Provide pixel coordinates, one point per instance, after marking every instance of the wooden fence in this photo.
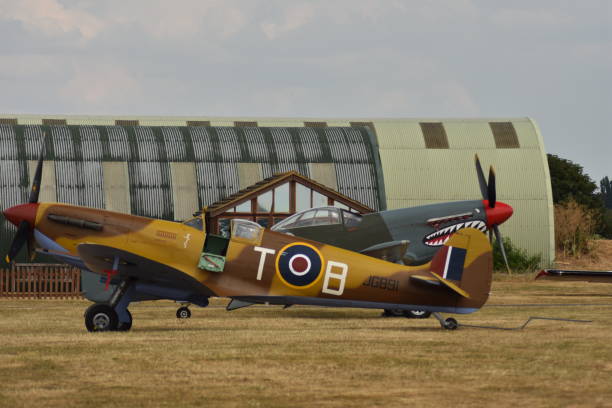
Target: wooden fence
(40, 281)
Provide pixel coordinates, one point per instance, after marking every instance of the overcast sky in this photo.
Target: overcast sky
(549, 60)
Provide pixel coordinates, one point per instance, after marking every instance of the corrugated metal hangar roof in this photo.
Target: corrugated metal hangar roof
(150, 165)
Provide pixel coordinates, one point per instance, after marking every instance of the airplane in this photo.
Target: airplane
(410, 236)
(567, 275)
(157, 259)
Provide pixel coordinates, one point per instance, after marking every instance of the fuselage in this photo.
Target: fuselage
(275, 267)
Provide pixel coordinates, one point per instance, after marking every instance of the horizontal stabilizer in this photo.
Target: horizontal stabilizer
(436, 280)
(391, 251)
(426, 279)
(451, 285)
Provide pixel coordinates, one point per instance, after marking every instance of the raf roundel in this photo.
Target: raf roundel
(299, 265)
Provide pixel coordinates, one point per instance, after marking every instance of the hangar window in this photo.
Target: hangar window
(369, 125)
(315, 124)
(198, 123)
(124, 122)
(54, 122)
(434, 135)
(245, 124)
(505, 135)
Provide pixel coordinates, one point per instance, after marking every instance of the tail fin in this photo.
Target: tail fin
(465, 265)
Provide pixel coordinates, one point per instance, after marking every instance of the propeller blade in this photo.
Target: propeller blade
(492, 192)
(34, 192)
(501, 246)
(31, 247)
(20, 239)
(481, 179)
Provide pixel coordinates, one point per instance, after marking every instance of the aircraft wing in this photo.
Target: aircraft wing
(100, 259)
(586, 276)
(392, 251)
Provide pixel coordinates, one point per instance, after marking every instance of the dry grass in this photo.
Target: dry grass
(600, 257)
(265, 356)
(574, 226)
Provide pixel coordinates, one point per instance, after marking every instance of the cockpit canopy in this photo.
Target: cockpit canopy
(319, 216)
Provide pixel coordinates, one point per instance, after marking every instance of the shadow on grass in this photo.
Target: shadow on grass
(578, 295)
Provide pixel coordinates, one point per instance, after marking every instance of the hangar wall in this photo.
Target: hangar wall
(128, 163)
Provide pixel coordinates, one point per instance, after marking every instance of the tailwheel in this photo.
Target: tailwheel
(183, 313)
(450, 324)
(101, 317)
(125, 326)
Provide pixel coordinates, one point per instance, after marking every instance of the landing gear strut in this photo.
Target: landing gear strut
(448, 324)
(114, 315)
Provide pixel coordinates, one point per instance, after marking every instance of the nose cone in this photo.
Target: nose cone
(497, 215)
(22, 212)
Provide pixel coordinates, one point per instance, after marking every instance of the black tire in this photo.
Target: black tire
(417, 314)
(183, 313)
(125, 326)
(392, 313)
(101, 317)
(451, 324)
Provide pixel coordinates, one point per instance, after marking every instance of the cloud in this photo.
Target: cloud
(294, 17)
(101, 86)
(51, 18)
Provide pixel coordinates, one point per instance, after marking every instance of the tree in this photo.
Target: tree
(569, 181)
(605, 187)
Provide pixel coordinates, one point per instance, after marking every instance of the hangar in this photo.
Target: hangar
(169, 167)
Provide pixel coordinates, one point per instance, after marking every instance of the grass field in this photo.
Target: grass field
(305, 356)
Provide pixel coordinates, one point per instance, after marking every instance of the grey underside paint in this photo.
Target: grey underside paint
(153, 280)
(312, 301)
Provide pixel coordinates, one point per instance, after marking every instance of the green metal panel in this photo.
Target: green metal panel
(412, 174)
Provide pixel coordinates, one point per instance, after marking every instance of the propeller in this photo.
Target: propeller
(24, 215)
(494, 216)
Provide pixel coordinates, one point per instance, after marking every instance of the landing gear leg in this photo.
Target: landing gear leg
(448, 324)
(114, 315)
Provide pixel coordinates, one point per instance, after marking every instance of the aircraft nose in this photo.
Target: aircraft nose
(22, 212)
(498, 214)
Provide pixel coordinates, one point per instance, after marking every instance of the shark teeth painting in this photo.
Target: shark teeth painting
(440, 237)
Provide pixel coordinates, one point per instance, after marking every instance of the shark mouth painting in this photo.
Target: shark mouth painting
(439, 237)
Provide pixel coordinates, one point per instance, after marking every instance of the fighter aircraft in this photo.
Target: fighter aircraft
(157, 259)
(408, 235)
(565, 275)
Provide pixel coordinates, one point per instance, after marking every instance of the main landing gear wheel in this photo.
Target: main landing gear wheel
(183, 313)
(417, 314)
(101, 317)
(411, 314)
(125, 326)
(392, 313)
